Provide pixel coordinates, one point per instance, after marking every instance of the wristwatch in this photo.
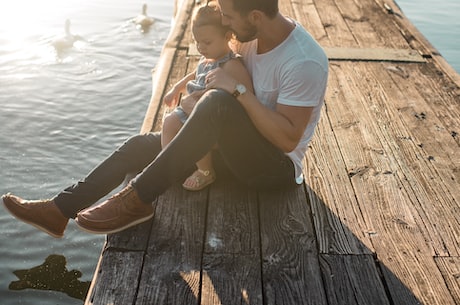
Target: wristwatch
(239, 90)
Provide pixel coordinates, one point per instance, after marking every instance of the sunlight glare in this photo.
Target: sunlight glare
(28, 27)
(28, 20)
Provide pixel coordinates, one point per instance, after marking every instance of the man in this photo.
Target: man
(262, 137)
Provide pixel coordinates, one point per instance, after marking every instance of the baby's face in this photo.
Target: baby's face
(210, 41)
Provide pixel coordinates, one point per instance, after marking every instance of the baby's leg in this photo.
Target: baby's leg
(171, 126)
(203, 176)
(205, 164)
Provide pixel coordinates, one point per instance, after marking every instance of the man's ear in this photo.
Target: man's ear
(255, 16)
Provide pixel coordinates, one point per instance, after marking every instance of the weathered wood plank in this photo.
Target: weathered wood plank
(383, 24)
(290, 269)
(231, 260)
(160, 78)
(335, 25)
(450, 270)
(374, 54)
(133, 239)
(384, 202)
(181, 25)
(428, 156)
(340, 227)
(358, 22)
(171, 271)
(442, 94)
(352, 280)
(306, 13)
(116, 280)
(160, 75)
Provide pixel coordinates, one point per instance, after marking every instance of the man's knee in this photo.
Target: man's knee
(142, 142)
(216, 101)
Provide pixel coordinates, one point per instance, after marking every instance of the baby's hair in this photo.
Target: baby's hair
(209, 14)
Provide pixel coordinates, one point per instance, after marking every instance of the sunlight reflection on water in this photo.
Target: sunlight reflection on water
(63, 112)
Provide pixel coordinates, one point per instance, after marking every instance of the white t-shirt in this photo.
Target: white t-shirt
(295, 74)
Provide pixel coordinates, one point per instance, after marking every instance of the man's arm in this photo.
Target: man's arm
(283, 126)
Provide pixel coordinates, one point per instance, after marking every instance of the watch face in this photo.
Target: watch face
(241, 89)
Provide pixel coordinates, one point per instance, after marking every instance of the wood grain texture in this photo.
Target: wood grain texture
(352, 280)
(117, 278)
(450, 269)
(290, 265)
(171, 272)
(231, 258)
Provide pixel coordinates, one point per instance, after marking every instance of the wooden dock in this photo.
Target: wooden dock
(378, 218)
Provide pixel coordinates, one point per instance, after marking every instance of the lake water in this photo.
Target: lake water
(439, 22)
(63, 113)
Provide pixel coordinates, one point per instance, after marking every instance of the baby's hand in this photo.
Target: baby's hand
(171, 99)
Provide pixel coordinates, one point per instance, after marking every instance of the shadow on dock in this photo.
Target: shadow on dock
(232, 246)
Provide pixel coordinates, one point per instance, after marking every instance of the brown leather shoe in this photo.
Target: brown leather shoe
(42, 214)
(119, 212)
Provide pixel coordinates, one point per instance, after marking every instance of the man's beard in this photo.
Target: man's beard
(247, 34)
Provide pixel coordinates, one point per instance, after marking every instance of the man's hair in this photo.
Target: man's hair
(209, 14)
(269, 7)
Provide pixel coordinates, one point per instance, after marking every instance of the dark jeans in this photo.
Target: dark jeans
(217, 119)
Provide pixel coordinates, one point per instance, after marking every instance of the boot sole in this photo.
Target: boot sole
(43, 229)
(95, 231)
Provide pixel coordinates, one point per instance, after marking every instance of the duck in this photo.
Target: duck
(67, 40)
(143, 19)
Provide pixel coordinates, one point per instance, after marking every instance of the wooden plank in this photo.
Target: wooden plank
(161, 72)
(335, 25)
(290, 265)
(383, 200)
(180, 25)
(450, 270)
(133, 239)
(231, 260)
(340, 227)
(358, 22)
(442, 94)
(159, 79)
(306, 14)
(359, 54)
(374, 54)
(382, 23)
(171, 271)
(116, 279)
(352, 280)
(428, 156)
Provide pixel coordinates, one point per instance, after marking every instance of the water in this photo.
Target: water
(63, 113)
(439, 22)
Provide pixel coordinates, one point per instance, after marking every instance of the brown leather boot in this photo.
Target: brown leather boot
(119, 212)
(42, 214)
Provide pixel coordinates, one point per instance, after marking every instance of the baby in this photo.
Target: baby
(213, 43)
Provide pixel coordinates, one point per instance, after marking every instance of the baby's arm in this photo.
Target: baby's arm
(171, 98)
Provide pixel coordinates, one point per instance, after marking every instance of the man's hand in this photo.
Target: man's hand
(218, 78)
